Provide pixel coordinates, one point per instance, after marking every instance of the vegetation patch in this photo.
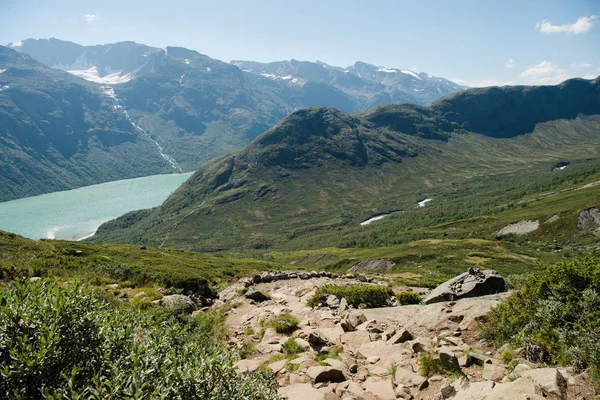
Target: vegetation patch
(405, 298)
(370, 295)
(557, 310)
(291, 348)
(284, 323)
(61, 342)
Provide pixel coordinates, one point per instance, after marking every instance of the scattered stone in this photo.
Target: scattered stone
(325, 374)
(373, 359)
(247, 365)
(421, 344)
(473, 283)
(448, 391)
(343, 306)
(401, 336)
(589, 220)
(479, 359)
(332, 301)
(448, 359)
(409, 378)
(550, 380)
(301, 391)
(257, 295)
(177, 302)
(493, 372)
(353, 319)
(383, 390)
(277, 366)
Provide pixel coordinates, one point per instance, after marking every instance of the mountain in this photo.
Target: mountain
(58, 131)
(367, 84)
(184, 108)
(320, 172)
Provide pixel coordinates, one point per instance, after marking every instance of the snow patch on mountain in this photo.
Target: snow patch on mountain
(2, 71)
(413, 74)
(4, 87)
(187, 61)
(14, 45)
(387, 70)
(92, 75)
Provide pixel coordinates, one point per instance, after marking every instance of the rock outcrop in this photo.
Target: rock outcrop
(473, 283)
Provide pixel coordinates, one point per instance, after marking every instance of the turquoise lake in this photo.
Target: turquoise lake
(77, 214)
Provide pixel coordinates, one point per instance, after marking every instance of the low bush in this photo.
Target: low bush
(285, 323)
(557, 309)
(291, 348)
(405, 298)
(429, 366)
(67, 342)
(370, 295)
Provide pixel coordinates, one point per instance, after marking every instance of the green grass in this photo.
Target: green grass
(285, 323)
(372, 296)
(126, 264)
(291, 348)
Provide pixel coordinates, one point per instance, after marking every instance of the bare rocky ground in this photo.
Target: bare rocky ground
(374, 354)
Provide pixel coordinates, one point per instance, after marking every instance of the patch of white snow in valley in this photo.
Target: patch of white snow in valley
(187, 61)
(2, 70)
(4, 87)
(563, 167)
(418, 90)
(181, 78)
(207, 69)
(413, 74)
(423, 202)
(91, 75)
(373, 219)
(110, 92)
(285, 78)
(272, 76)
(15, 44)
(388, 70)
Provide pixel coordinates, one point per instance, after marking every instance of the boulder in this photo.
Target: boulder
(343, 306)
(177, 302)
(448, 359)
(421, 344)
(400, 337)
(257, 295)
(549, 379)
(325, 374)
(383, 390)
(332, 301)
(371, 326)
(353, 319)
(247, 365)
(473, 283)
(300, 391)
(493, 372)
(409, 378)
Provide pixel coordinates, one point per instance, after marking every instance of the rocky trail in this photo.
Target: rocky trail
(349, 353)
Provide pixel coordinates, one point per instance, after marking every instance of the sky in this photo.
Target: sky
(472, 42)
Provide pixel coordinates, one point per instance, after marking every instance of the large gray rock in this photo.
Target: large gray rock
(300, 391)
(353, 319)
(177, 302)
(549, 379)
(473, 283)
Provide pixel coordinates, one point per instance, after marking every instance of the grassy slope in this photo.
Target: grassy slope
(470, 175)
(117, 263)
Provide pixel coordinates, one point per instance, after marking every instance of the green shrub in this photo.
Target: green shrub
(429, 365)
(60, 342)
(291, 348)
(284, 323)
(405, 298)
(370, 295)
(558, 308)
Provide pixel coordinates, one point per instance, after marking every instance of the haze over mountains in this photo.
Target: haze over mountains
(168, 109)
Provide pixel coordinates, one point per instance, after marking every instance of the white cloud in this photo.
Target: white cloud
(582, 25)
(580, 65)
(510, 63)
(545, 72)
(90, 18)
(589, 76)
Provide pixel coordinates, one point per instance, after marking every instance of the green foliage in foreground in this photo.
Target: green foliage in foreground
(372, 296)
(557, 308)
(60, 342)
(405, 298)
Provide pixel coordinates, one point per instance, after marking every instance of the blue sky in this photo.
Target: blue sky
(474, 42)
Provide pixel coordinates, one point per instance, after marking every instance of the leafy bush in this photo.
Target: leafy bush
(285, 323)
(558, 309)
(405, 298)
(370, 295)
(70, 342)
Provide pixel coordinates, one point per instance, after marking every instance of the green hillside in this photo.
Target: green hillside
(309, 181)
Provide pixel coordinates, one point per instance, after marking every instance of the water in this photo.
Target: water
(77, 214)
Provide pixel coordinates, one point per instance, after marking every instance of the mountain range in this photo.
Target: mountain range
(142, 110)
(320, 172)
